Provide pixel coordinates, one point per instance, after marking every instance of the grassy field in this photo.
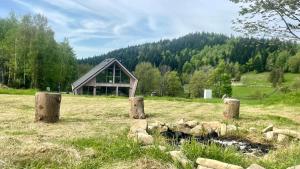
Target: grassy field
(92, 133)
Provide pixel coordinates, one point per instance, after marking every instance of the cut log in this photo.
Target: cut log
(47, 107)
(232, 108)
(137, 108)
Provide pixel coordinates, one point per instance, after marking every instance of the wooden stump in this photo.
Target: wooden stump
(232, 108)
(137, 108)
(47, 107)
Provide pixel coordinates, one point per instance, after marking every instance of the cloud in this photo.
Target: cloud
(97, 26)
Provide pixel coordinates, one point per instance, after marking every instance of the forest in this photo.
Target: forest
(30, 57)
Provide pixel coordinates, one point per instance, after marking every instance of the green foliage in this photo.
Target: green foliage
(199, 81)
(221, 81)
(149, 78)
(18, 91)
(30, 56)
(276, 76)
(172, 84)
(294, 63)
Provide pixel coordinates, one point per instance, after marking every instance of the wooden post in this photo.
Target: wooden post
(117, 91)
(137, 108)
(94, 91)
(232, 108)
(47, 107)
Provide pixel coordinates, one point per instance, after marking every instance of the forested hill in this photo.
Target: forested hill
(196, 50)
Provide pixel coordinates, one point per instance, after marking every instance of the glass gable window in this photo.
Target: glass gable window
(107, 75)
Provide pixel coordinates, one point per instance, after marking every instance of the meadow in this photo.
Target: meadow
(92, 131)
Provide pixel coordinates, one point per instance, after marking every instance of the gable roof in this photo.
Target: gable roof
(96, 70)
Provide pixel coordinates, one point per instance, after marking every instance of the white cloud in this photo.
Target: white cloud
(119, 23)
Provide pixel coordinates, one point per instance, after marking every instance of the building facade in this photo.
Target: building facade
(109, 77)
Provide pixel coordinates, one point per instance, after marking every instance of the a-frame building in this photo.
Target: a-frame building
(109, 77)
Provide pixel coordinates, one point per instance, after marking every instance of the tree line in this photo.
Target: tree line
(31, 58)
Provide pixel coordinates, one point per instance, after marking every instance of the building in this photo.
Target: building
(109, 77)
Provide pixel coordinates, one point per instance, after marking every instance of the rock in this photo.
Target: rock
(255, 166)
(231, 128)
(139, 125)
(282, 138)
(163, 129)
(288, 132)
(197, 130)
(192, 123)
(182, 128)
(202, 167)
(269, 128)
(294, 167)
(270, 136)
(180, 157)
(181, 122)
(216, 164)
(144, 138)
(212, 126)
(223, 130)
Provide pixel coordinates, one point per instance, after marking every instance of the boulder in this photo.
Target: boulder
(270, 136)
(202, 167)
(288, 132)
(181, 158)
(212, 126)
(294, 167)
(139, 125)
(216, 164)
(255, 166)
(197, 130)
(223, 129)
(191, 123)
(182, 128)
(282, 138)
(269, 128)
(144, 138)
(231, 128)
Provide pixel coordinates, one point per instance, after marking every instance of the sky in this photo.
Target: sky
(96, 27)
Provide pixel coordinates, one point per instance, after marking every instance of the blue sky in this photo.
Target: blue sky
(95, 27)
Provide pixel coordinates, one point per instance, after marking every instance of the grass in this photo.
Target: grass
(18, 91)
(92, 131)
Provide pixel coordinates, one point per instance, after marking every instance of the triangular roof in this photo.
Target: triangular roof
(98, 69)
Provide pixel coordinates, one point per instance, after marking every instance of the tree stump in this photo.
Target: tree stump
(232, 108)
(137, 108)
(47, 107)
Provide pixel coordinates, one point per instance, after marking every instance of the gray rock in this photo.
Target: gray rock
(255, 166)
(231, 128)
(288, 132)
(269, 128)
(282, 138)
(191, 123)
(294, 167)
(202, 167)
(270, 136)
(205, 162)
(139, 125)
(180, 157)
(144, 138)
(197, 130)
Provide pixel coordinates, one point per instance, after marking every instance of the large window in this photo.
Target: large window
(107, 75)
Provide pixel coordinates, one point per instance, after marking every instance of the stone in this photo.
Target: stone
(182, 128)
(287, 132)
(270, 136)
(282, 138)
(163, 129)
(139, 125)
(180, 157)
(269, 128)
(294, 167)
(223, 130)
(181, 122)
(191, 123)
(231, 128)
(144, 138)
(255, 166)
(202, 167)
(197, 130)
(213, 126)
(205, 162)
